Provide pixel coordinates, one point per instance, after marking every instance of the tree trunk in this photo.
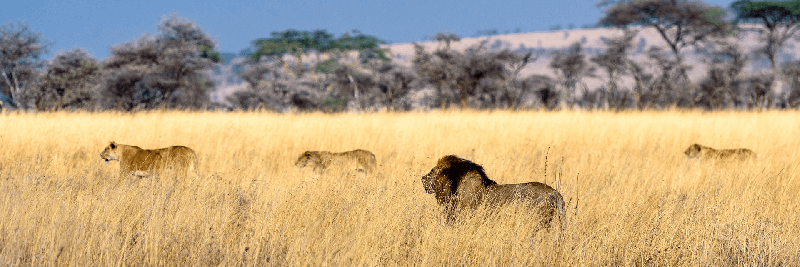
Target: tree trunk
(776, 85)
(15, 91)
(355, 91)
(463, 100)
(10, 89)
(298, 65)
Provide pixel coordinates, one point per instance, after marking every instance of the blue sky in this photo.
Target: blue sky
(96, 25)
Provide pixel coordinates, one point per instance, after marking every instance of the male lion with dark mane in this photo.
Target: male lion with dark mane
(144, 162)
(459, 183)
(708, 153)
(361, 159)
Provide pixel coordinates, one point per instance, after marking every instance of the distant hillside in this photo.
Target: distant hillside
(543, 44)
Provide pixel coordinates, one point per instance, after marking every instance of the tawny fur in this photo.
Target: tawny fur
(708, 153)
(134, 160)
(461, 184)
(322, 160)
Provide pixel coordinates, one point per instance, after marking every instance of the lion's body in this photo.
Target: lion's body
(321, 160)
(144, 162)
(458, 184)
(708, 153)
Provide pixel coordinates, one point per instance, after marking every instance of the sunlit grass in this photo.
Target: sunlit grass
(633, 198)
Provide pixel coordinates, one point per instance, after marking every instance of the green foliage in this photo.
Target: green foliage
(367, 45)
(661, 13)
(333, 104)
(209, 53)
(714, 16)
(761, 11)
(780, 18)
(760, 7)
(292, 42)
(327, 66)
(296, 43)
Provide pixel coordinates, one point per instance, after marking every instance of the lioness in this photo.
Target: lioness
(320, 160)
(708, 153)
(144, 162)
(459, 183)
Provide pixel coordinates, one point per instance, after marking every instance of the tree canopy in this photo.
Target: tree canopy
(296, 42)
(768, 12)
(20, 49)
(780, 18)
(680, 23)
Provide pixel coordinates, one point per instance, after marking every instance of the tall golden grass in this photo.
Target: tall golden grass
(633, 198)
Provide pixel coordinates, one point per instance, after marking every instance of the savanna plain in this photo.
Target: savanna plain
(632, 196)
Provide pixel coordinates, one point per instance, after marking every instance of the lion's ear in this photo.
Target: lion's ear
(113, 145)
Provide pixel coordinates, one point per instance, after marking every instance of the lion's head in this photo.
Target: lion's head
(693, 151)
(309, 159)
(444, 179)
(110, 153)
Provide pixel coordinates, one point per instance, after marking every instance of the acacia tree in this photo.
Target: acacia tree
(68, 81)
(20, 49)
(352, 84)
(781, 19)
(299, 43)
(792, 71)
(462, 73)
(432, 69)
(267, 58)
(716, 91)
(167, 70)
(680, 23)
(615, 62)
(446, 38)
(513, 91)
(571, 66)
(367, 46)
(394, 82)
(291, 42)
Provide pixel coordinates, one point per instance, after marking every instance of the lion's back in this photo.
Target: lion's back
(178, 153)
(180, 158)
(731, 154)
(365, 158)
(323, 160)
(545, 200)
(742, 154)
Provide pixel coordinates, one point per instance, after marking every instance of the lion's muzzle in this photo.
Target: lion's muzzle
(427, 183)
(107, 158)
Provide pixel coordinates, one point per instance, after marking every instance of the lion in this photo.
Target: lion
(708, 153)
(321, 160)
(145, 162)
(461, 184)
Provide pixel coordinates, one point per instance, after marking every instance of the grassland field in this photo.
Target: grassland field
(633, 197)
